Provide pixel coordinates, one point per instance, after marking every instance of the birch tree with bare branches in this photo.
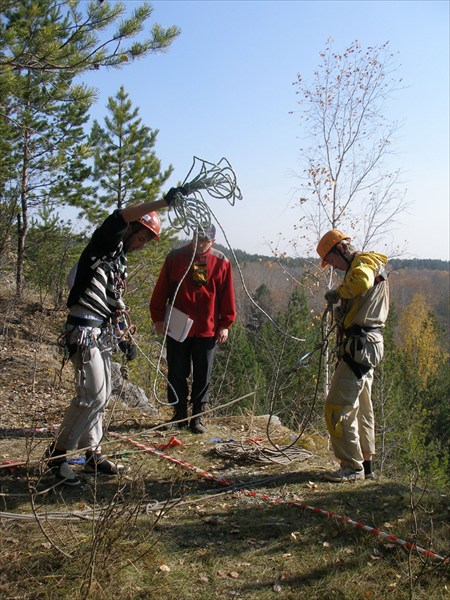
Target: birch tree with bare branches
(346, 182)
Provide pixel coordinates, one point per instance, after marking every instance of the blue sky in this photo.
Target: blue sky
(225, 89)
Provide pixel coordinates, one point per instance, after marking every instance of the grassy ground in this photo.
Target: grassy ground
(164, 531)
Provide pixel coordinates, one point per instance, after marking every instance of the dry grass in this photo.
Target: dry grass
(165, 532)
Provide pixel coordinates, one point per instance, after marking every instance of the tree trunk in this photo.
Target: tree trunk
(22, 219)
(20, 259)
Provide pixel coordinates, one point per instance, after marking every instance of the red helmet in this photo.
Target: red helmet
(151, 221)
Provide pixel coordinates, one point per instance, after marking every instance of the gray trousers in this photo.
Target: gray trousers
(82, 425)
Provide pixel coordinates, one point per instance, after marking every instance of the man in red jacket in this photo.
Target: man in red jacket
(196, 279)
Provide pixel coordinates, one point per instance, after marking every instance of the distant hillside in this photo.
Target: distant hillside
(430, 277)
(431, 264)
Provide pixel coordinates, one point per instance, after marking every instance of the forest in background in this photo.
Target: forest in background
(408, 277)
(281, 348)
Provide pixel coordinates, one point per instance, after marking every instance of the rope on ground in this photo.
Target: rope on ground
(275, 500)
(12, 465)
(255, 452)
(149, 506)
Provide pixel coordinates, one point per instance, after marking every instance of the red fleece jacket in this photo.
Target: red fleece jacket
(211, 306)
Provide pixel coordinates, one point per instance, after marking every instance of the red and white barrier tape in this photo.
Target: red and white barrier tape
(332, 515)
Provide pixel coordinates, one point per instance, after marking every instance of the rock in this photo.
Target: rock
(131, 395)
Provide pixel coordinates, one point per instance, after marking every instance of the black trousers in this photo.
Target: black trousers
(194, 355)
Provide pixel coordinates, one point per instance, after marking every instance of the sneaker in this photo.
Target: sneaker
(370, 475)
(345, 474)
(60, 467)
(197, 426)
(97, 463)
(64, 474)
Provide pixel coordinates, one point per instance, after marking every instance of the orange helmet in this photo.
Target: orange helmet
(328, 242)
(151, 221)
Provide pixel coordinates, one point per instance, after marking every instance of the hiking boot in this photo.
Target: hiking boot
(345, 474)
(97, 463)
(171, 425)
(197, 426)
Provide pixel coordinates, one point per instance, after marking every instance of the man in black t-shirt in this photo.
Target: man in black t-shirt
(95, 300)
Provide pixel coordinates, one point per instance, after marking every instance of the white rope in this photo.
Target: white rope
(191, 213)
(255, 452)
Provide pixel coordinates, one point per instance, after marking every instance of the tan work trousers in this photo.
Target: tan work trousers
(82, 425)
(349, 416)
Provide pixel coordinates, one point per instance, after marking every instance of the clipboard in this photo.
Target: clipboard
(179, 324)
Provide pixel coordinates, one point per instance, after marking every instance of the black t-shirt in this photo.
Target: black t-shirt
(101, 269)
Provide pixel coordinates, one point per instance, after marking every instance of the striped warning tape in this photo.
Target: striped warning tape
(251, 493)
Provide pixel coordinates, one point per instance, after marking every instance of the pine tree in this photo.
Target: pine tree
(236, 374)
(125, 165)
(49, 112)
(289, 391)
(262, 303)
(410, 395)
(44, 45)
(8, 197)
(72, 41)
(52, 246)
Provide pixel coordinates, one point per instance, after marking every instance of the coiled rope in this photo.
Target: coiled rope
(255, 452)
(192, 213)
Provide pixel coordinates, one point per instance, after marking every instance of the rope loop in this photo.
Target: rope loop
(192, 213)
